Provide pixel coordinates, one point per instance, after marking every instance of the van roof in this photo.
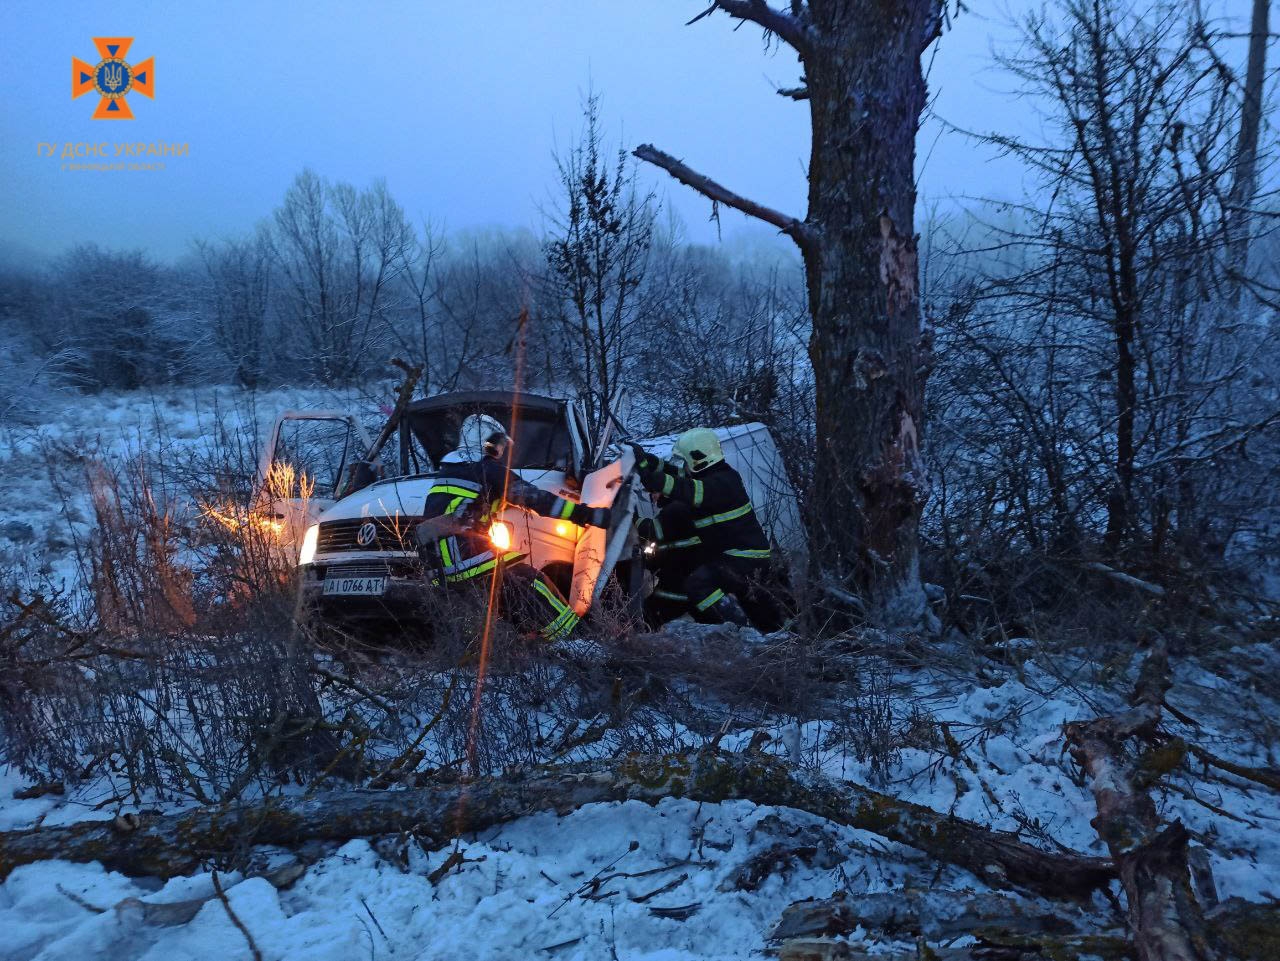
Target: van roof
(497, 398)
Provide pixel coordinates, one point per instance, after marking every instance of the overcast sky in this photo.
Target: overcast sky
(457, 105)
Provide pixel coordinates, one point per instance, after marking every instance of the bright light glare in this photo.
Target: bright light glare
(309, 541)
(500, 535)
(562, 529)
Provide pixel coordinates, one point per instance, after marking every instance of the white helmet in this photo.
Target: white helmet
(700, 448)
(481, 436)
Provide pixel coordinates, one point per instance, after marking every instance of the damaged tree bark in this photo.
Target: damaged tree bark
(177, 844)
(1165, 919)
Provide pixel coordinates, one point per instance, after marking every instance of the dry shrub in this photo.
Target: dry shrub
(171, 716)
(880, 722)
(250, 549)
(470, 696)
(137, 579)
(183, 676)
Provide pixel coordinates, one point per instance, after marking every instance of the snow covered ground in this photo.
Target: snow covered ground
(523, 889)
(990, 751)
(513, 897)
(45, 508)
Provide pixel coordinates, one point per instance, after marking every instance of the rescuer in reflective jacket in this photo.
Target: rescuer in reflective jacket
(706, 516)
(467, 492)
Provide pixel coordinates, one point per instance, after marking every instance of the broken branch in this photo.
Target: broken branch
(794, 228)
(795, 93)
(786, 27)
(1259, 775)
(235, 919)
(1165, 919)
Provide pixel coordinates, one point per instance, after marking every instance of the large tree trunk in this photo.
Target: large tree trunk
(866, 93)
(179, 843)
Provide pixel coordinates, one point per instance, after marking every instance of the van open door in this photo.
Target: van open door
(599, 551)
(302, 467)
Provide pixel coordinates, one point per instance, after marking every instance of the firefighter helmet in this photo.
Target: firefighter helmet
(699, 448)
(482, 436)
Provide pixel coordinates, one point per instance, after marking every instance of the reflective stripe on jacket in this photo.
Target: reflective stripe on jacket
(473, 492)
(723, 516)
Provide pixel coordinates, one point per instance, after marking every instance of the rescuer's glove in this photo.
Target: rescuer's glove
(649, 470)
(644, 460)
(585, 516)
(647, 530)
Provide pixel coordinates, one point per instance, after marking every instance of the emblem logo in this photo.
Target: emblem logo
(113, 78)
(367, 534)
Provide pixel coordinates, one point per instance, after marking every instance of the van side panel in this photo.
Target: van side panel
(750, 451)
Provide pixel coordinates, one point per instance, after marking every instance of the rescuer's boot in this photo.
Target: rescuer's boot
(728, 611)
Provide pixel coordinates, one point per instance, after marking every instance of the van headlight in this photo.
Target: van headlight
(309, 541)
(500, 535)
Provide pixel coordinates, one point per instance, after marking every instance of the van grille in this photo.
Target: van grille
(388, 534)
(376, 569)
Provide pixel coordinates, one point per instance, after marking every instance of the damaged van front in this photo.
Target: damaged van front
(359, 557)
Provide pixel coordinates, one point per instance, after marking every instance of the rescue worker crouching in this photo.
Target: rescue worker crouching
(468, 490)
(712, 552)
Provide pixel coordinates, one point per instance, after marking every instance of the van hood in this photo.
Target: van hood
(407, 496)
(404, 497)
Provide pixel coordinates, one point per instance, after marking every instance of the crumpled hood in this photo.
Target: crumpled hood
(403, 496)
(407, 496)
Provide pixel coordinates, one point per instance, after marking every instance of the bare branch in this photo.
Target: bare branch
(788, 27)
(795, 93)
(933, 26)
(793, 227)
(235, 919)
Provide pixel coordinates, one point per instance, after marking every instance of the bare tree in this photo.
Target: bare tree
(376, 231)
(865, 90)
(419, 270)
(32, 354)
(239, 285)
(1244, 180)
(338, 250)
(601, 233)
(117, 313)
(726, 345)
(482, 300)
(458, 306)
(1102, 398)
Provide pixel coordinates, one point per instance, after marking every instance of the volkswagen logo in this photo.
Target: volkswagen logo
(367, 534)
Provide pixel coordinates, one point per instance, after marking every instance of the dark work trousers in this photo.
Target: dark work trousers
(749, 580)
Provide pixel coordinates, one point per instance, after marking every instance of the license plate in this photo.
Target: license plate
(359, 586)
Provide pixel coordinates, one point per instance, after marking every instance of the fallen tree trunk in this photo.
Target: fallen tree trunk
(1005, 927)
(1075, 947)
(180, 843)
(1165, 920)
(921, 914)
